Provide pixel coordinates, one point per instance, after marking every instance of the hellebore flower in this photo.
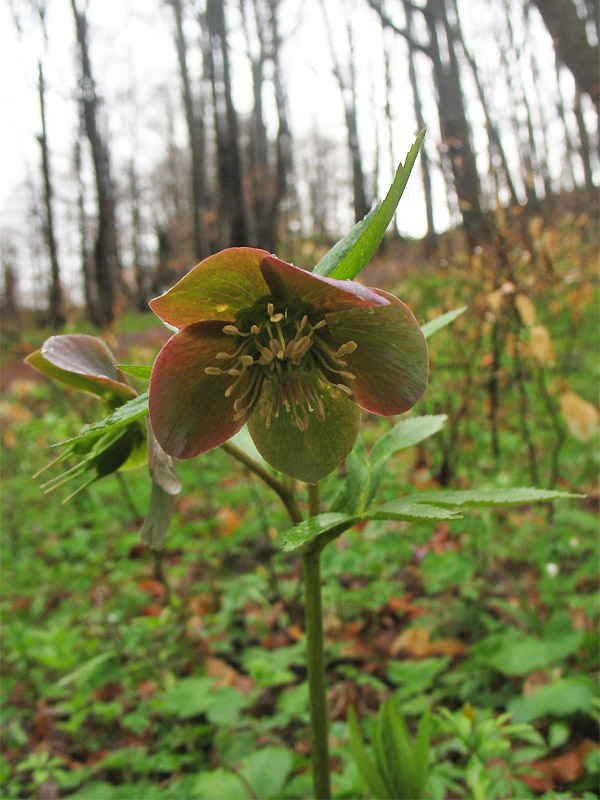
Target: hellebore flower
(290, 353)
(86, 363)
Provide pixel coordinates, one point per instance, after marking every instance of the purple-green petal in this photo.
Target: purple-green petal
(288, 283)
(215, 289)
(390, 362)
(189, 411)
(83, 362)
(308, 455)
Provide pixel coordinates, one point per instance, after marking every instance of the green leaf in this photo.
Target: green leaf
(350, 498)
(421, 755)
(397, 751)
(362, 250)
(83, 672)
(491, 497)
(128, 412)
(562, 698)
(267, 770)
(364, 473)
(219, 783)
(407, 433)
(329, 526)
(136, 370)
(340, 249)
(188, 697)
(440, 322)
(370, 774)
(514, 653)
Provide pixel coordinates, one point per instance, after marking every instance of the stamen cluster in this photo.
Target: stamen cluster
(283, 352)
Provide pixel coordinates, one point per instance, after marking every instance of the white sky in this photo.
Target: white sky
(133, 55)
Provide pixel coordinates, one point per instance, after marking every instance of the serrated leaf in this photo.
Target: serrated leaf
(128, 412)
(136, 370)
(331, 525)
(362, 250)
(436, 324)
(491, 497)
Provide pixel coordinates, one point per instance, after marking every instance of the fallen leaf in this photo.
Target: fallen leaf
(580, 416)
(526, 310)
(416, 642)
(541, 346)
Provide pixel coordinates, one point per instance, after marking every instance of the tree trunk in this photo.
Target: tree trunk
(495, 143)
(347, 86)
(106, 252)
(431, 238)
(229, 163)
(87, 270)
(572, 45)
(284, 164)
(56, 310)
(195, 134)
(141, 295)
(454, 125)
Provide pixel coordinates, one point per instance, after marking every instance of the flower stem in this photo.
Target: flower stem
(316, 660)
(287, 496)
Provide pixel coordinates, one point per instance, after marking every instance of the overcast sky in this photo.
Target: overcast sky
(133, 56)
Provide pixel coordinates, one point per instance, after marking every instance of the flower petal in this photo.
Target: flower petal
(390, 361)
(216, 288)
(84, 362)
(189, 412)
(310, 455)
(325, 294)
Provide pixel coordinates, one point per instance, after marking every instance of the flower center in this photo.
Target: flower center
(283, 351)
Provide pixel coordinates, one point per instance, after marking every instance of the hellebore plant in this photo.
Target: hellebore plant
(291, 354)
(120, 441)
(294, 356)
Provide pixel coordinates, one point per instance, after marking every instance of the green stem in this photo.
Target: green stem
(287, 496)
(314, 500)
(316, 660)
(316, 674)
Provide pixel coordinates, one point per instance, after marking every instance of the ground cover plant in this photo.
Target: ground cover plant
(182, 672)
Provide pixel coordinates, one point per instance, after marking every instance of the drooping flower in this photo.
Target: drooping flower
(86, 363)
(292, 354)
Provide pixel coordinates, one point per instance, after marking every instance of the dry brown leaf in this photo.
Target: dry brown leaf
(526, 310)
(416, 642)
(581, 417)
(541, 346)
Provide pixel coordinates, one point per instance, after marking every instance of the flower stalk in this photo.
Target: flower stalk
(311, 565)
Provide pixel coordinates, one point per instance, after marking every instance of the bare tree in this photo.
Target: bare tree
(573, 47)
(453, 121)
(106, 251)
(56, 308)
(346, 79)
(229, 163)
(431, 236)
(196, 136)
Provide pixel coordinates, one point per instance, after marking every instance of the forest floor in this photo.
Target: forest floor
(132, 674)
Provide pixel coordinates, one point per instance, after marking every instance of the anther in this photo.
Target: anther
(247, 360)
(213, 371)
(343, 388)
(231, 330)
